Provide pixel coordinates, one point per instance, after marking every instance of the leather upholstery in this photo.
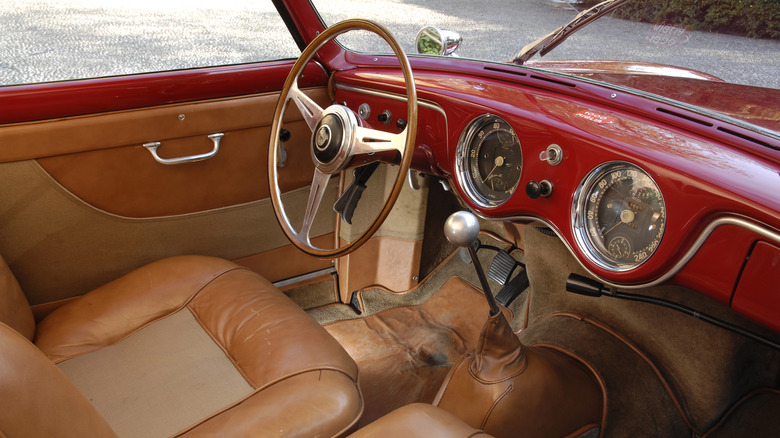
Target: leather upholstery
(14, 309)
(419, 420)
(303, 381)
(37, 400)
(54, 244)
(504, 387)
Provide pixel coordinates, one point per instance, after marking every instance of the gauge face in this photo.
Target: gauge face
(490, 160)
(619, 216)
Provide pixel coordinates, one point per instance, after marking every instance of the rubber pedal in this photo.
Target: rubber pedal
(513, 289)
(501, 267)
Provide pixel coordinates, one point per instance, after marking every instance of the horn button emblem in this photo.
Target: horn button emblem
(327, 138)
(322, 140)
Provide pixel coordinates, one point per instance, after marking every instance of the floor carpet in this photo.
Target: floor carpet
(404, 353)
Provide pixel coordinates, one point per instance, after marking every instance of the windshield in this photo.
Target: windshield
(735, 42)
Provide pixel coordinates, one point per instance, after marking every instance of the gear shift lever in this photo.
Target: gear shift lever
(508, 389)
(462, 229)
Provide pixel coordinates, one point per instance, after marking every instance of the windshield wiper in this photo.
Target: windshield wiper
(550, 41)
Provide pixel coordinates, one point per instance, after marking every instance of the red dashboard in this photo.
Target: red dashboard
(719, 189)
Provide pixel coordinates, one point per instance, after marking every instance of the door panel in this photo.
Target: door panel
(82, 202)
(121, 177)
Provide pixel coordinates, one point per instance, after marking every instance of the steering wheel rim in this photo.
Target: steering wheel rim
(355, 140)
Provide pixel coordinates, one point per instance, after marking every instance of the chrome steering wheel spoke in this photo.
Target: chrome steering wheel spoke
(371, 141)
(319, 184)
(309, 109)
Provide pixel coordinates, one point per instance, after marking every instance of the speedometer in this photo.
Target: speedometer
(619, 216)
(489, 160)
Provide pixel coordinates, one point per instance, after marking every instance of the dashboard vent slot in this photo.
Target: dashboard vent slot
(683, 116)
(501, 70)
(748, 138)
(554, 81)
(537, 77)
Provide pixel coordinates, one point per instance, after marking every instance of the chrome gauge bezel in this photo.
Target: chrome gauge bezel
(591, 241)
(463, 167)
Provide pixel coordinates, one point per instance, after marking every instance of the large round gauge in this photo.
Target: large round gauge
(619, 216)
(489, 160)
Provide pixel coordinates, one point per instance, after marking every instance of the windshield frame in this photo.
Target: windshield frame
(348, 57)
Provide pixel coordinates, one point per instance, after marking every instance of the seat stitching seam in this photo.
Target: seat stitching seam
(160, 318)
(224, 349)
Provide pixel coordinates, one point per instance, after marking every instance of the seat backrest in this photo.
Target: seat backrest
(37, 399)
(14, 309)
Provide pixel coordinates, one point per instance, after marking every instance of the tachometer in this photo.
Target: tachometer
(619, 216)
(489, 160)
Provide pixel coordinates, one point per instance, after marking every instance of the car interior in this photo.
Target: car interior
(357, 244)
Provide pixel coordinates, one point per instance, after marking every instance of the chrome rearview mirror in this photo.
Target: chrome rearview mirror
(431, 40)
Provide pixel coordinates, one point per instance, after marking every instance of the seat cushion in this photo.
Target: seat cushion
(196, 344)
(14, 309)
(37, 400)
(419, 420)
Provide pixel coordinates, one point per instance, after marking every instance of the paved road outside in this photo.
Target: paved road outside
(42, 40)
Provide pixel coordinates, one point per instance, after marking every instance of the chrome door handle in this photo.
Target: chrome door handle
(152, 147)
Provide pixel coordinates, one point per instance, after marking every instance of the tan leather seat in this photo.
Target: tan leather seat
(185, 346)
(419, 420)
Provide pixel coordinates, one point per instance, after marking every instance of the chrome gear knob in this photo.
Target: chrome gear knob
(461, 228)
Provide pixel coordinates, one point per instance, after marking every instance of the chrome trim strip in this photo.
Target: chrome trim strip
(398, 97)
(758, 228)
(304, 277)
(401, 98)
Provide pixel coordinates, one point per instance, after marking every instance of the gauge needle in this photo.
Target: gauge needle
(498, 162)
(626, 217)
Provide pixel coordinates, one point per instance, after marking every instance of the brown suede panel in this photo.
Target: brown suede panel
(37, 399)
(637, 404)
(14, 309)
(754, 416)
(708, 368)
(419, 420)
(404, 353)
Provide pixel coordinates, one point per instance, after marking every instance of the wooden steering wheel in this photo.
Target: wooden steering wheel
(337, 137)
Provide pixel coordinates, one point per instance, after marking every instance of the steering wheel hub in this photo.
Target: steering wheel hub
(331, 139)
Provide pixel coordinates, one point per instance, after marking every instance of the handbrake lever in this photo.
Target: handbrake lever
(347, 202)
